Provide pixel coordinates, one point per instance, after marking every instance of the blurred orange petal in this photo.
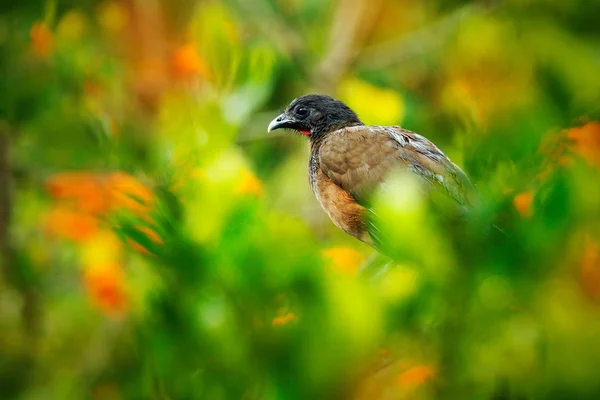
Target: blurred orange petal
(106, 287)
(186, 63)
(69, 224)
(523, 203)
(416, 376)
(66, 183)
(41, 39)
(149, 80)
(128, 192)
(344, 259)
(96, 194)
(585, 141)
(84, 189)
(284, 319)
(589, 268)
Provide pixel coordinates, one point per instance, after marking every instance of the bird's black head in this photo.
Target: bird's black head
(315, 115)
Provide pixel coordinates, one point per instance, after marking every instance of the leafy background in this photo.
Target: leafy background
(157, 243)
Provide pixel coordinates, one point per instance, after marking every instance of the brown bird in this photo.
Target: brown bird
(349, 161)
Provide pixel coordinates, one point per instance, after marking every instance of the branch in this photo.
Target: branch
(5, 201)
(10, 275)
(353, 23)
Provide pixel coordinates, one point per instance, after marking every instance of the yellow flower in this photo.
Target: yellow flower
(72, 26)
(249, 184)
(112, 17)
(344, 259)
(102, 248)
(375, 105)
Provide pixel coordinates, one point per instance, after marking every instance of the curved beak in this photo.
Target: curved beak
(283, 121)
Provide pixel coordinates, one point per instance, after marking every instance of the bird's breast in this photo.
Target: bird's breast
(338, 204)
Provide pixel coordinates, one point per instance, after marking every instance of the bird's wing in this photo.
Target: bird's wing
(359, 158)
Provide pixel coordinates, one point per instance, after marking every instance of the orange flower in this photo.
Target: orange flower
(85, 189)
(523, 203)
(186, 63)
(84, 197)
(66, 184)
(416, 376)
(63, 222)
(585, 141)
(284, 319)
(249, 184)
(41, 39)
(344, 259)
(96, 193)
(127, 192)
(589, 268)
(106, 287)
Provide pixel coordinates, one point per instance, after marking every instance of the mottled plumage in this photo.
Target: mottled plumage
(350, 161)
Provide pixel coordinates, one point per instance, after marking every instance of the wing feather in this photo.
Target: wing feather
(359, 158)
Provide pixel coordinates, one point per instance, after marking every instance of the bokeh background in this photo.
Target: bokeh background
(157, 243)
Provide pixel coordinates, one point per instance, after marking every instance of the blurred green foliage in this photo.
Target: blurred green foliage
(157, 243)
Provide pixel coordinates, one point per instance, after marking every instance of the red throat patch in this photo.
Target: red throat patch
(305, 133)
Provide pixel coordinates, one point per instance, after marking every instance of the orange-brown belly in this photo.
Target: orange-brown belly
(340, 206)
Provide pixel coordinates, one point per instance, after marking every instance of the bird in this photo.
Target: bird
(349, 161)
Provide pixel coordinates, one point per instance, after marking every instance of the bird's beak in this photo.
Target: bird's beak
(283, 121)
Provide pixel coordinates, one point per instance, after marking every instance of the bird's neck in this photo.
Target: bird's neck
(318, 134)
(315, 143)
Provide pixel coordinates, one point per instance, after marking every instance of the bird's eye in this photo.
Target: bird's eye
(302, 111)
